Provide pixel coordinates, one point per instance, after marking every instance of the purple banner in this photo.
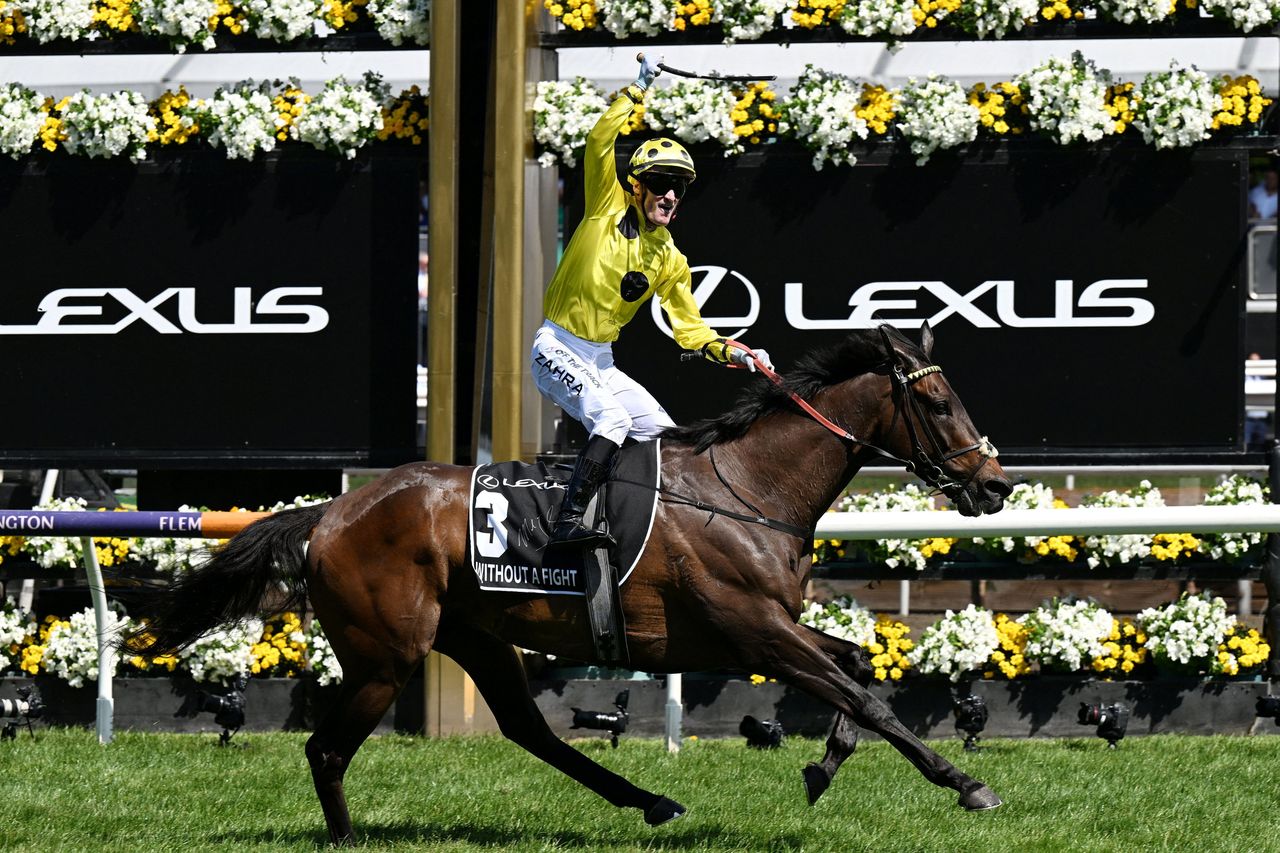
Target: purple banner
(34, 522)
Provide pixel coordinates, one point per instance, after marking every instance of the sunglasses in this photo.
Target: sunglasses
(660, 184)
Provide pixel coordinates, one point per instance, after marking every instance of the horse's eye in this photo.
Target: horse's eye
(941, 407)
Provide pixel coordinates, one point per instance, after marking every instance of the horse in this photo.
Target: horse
(384, 569)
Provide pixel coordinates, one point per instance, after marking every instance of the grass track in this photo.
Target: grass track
(181, 793)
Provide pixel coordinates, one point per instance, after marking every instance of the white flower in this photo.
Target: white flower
(997, 17)
(21, 118)
(107, 125)
(321, 660)
(908, 498)
(1066, 635)
(1247, 15)
(1187, 631)
(343, 116)
(935, 113)
(694, 111)
(1236, 490)
(400, 21)
(54, 19)
(1134, 11)
(820, 113)
(183, 22)
(957, 643)
(564, 111)
(744, 20)
(285, 20)
(1023, 496)
(71, 651)
(878, 17)
(841, 617)
(637, 17)
(222, 654)
(242, 120)
(1121, 548)
(1067, 99)
(1175, 108)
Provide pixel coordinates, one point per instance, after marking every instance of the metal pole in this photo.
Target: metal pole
(675, 710)
(27, 596)
(106, 651)
(904, 598)
(1271, 573)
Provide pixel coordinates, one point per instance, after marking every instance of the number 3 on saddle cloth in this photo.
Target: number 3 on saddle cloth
(512, 508)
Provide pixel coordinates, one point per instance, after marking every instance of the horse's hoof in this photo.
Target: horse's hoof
(662, 811)
(816, 782)
(980, 799)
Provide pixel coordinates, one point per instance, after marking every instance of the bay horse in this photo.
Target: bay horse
(384, 569)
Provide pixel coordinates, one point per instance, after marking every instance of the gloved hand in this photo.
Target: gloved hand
(744, 358)
(648, 70)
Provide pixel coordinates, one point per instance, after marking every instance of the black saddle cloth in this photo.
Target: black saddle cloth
(514, 503)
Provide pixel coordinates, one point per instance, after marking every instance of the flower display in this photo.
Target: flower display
(176, 117)
(402, 21)
(1009, 659)
(898, 552)
(877, 106)
(810, 14)
(997, 17)
(1185, 634)
(1136, 11)
(821, 112)
(285, 20)
(17, 629)
(959, 643)
(406, 117)
(1246, 15)
(48, 20)
(935, 113)
(692, 13)
(71, 647)
(343, 116)
(1061, 11)
(754, 115)
(21, 119)
(637, 17)
(106, 125)
(1066, 636)
(1124, 652)
(1176, 107)
(1242, 102)
(1067, 99)
(574, 14)
(321, 660)
(223, 654)
(282, 649)
(181, 22)
(890, 650)
(1123, 548)
(745, 20)
(563, 113)
(841, 617)
(1235, 490)
(695, 111)
(1241, 652)
(1031, 496)
(12, 22)
(1121, 105)
(1000, 108)
(242, 120)
(880, 17)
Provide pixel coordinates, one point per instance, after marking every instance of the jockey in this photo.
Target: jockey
(620, 255)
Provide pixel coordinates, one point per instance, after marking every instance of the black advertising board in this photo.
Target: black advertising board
(201, 312)
(1087, 304)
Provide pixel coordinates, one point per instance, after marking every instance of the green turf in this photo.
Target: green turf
(180, 793)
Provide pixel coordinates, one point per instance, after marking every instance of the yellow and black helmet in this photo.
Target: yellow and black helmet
(661, 156)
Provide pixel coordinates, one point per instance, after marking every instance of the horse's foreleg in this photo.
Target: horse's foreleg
(843, 740)
(790, 654)
(500, 677)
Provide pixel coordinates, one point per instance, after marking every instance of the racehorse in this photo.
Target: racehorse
(384, 568)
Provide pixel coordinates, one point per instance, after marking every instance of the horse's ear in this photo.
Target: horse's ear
(926, 341)
(890, 352)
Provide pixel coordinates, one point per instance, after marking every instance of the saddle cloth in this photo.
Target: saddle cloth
(513, 505)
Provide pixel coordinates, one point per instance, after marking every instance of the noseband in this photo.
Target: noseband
(925, 466)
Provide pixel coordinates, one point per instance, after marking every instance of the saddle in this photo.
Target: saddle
(513, 505)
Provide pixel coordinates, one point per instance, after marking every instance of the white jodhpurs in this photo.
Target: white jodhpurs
(579, 377)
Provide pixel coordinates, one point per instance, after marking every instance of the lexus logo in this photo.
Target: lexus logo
(712, 277)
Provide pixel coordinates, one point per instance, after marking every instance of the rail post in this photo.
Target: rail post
(1271, 572)
(106, 644)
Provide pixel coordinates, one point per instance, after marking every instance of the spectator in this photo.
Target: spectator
(1263, 196)
(1256, 421)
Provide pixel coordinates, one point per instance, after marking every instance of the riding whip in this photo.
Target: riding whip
(723, 78)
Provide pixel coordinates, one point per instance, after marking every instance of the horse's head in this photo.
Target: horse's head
(930, 428)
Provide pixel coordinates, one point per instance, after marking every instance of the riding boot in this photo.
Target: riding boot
(592, 469)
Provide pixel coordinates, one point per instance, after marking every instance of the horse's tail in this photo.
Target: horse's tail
(267, 555)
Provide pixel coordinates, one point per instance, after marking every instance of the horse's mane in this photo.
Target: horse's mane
(859, 353)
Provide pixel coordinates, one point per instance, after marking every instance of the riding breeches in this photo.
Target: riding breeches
(579, 376)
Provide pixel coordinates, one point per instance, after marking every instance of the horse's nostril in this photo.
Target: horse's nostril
(1000, 488)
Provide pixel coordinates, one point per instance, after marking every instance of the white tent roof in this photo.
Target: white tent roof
(610, 67)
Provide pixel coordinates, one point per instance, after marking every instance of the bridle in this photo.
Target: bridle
(928, 468)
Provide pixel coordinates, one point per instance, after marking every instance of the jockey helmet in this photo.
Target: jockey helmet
(661, 157)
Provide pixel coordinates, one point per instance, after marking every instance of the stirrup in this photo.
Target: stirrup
(582, 537)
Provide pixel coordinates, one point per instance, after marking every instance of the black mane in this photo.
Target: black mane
(862, 351)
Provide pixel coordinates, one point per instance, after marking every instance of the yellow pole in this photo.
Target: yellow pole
(508, 228)
(442, 243)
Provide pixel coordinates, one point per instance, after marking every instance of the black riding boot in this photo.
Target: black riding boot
(590, 471)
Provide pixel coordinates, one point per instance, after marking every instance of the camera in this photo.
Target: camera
(1269, 706)
(21, 711)
(1111, 720)
(614, 722)
(761, 734)
(227, 708)
(971, 718)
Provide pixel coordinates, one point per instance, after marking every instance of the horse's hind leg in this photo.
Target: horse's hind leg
(500, 677)
(790, 653)
(843, 740)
